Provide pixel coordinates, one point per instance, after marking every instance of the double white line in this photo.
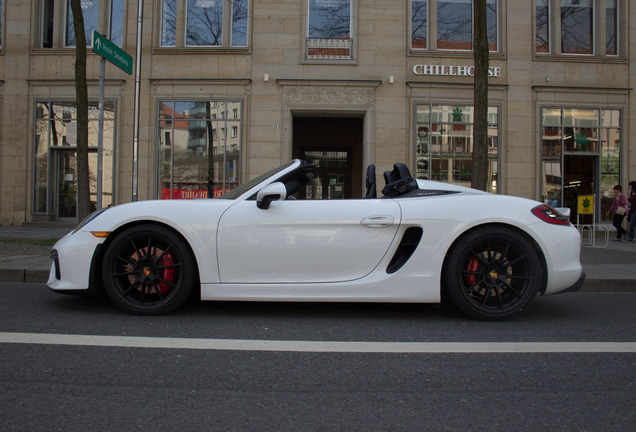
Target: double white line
(318, 346)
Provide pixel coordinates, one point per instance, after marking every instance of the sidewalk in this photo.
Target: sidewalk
(24, 257)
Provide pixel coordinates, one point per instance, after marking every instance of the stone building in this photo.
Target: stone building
(224, 90)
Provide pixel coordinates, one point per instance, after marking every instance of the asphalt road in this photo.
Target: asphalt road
(567, 363)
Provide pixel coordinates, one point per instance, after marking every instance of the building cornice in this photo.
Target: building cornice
(305, 82)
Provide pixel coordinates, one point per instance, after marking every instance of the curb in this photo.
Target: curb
(24, 275)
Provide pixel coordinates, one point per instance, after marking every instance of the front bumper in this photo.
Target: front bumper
(72, 257)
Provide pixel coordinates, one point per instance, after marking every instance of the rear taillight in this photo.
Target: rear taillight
(550, 215)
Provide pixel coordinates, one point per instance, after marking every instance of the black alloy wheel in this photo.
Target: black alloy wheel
(149, 270)
(493, 273)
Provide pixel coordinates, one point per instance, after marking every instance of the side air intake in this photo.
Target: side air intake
(408, 244)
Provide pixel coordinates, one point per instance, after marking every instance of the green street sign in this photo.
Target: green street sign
(112, 53)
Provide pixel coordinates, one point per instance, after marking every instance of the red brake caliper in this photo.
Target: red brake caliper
(473, 266)
(168, 273)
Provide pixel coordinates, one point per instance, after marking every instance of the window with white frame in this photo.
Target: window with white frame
(329, 30)
(205, 23)
(448, 25)
(54, 13)
(586, 27)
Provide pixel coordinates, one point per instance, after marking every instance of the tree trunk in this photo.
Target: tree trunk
(479, 177)
(81, 90)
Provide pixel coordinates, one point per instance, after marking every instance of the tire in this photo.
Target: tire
(493, 273)
(149, 270)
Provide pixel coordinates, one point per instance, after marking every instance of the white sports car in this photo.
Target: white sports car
(489, 254)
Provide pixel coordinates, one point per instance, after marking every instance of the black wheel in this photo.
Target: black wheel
(149, 270)
(493, 273)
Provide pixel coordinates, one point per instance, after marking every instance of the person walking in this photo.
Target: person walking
(631, 217)
(619, 207)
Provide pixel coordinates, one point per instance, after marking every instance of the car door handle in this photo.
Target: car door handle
(377, 221)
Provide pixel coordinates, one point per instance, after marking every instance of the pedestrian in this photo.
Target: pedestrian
(631, 217)
(619, 207)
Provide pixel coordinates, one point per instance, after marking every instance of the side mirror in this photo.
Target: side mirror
(272, 192)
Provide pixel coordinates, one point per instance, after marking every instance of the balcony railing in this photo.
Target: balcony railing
(330, 49)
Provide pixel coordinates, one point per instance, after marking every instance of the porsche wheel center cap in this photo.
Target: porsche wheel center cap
(146, 271)
(493, 274)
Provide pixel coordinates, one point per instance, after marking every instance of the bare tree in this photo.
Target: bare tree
(479, 177)
(81, 91)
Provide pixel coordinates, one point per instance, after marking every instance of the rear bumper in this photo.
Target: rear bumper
(576, 286)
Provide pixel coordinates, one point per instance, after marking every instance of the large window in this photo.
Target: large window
(444, 143)
(205, 23)
(448, 24)
(576, 133)
(587, 27)
(200, 148)
(55, 147)
(329, 29)
(58, 13)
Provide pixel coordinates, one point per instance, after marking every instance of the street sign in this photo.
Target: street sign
(112, 53)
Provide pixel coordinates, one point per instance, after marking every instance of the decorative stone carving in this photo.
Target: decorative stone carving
(329, 95)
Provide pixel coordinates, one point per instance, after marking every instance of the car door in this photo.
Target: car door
(304, 241)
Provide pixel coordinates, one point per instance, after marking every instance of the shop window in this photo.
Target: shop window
(54, 14)
(205, 23)
(586, 27)
(451, 27)
(575, 132)
(444, 143)
(55, 147)
(329, 30)
(198, 159)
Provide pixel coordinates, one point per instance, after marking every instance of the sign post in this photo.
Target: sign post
(115, 55)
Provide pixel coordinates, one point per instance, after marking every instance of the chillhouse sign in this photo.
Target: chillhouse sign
(460, 71)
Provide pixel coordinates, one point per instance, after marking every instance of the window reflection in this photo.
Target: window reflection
(329, 29)
(576, 26)
(204, 24)
(90, 11)
(419, 35)
(444, 143)
(542, 18)
(198, 157)
(453, 25)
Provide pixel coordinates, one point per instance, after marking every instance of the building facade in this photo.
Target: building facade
(224, 90)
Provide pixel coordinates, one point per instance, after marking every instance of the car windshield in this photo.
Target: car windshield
(240, 190)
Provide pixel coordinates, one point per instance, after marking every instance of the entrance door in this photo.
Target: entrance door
(66, 183)
(579, 179)
(335, 145)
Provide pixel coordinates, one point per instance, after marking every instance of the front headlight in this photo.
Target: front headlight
(89, 218)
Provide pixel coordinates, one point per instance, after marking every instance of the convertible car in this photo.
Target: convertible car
(422, 241)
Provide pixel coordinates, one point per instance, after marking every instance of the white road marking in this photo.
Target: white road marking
(318, 346)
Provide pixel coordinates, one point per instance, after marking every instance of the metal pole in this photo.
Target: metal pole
(135, 168)
(100, 133)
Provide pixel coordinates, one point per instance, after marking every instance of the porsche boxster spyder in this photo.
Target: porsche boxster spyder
(421, 241)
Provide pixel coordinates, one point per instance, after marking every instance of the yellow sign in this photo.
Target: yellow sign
(586, 204)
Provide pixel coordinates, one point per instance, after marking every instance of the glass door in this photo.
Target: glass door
(66, 183)
(579, 179)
